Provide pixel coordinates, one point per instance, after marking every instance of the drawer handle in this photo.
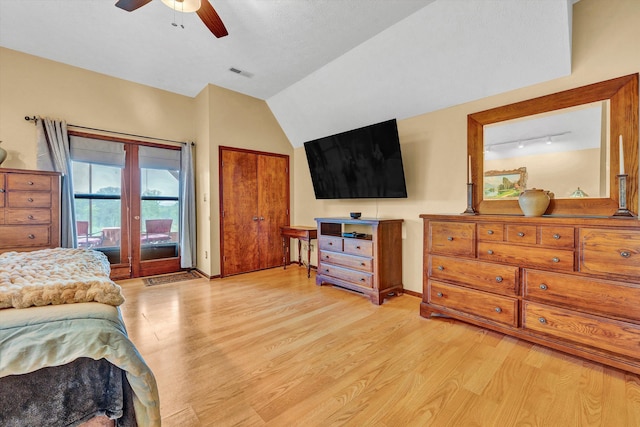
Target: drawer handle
(330, 243)
(490, 252)
(556, 236)
(499, 279)
(326, 257)
(543, 286)
(521, 234)
(555, 259)
(31, 236)
(450, 239)
(326, 270)
(1, 190)
(489, 231)
(498, 310)
(29, 199)
(441, 267)
(625, 254)
(362, 264)
(30, 182)
(30, 216)
(440, 294)
(362, 279)
(542, 320)
(358, 247)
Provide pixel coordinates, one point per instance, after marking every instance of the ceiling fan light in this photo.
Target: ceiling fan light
(183, 5)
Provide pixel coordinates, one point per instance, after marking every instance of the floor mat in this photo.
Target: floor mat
(171, 278)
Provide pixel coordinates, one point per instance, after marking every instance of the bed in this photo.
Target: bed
(65, 357)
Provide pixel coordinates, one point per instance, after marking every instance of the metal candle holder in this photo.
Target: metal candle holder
(623, 211)
(469, 210)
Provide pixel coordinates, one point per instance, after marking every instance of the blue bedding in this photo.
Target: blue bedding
(56, 335)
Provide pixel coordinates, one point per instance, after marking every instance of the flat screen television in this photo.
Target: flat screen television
(364, 163)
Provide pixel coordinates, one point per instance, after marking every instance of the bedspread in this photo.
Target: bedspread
(38, 337)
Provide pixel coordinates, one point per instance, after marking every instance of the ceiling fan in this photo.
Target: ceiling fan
(206, 12)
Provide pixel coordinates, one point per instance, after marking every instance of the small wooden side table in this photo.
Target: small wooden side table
(300, 232)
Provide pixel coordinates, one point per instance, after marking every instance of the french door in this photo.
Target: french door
(128, 204)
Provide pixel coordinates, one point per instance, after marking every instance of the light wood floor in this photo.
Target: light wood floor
(273, 349)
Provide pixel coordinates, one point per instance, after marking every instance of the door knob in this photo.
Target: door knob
(137, 218)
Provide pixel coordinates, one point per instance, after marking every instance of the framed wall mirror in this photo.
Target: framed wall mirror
(567, 143)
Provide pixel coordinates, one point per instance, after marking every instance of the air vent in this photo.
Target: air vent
(242, 73)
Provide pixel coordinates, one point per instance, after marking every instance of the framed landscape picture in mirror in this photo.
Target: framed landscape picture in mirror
(506, 184)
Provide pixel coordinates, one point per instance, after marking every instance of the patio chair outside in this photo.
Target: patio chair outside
(86, 239)
(157, 230)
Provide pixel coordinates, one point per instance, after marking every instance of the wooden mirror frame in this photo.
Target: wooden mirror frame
(622, 93)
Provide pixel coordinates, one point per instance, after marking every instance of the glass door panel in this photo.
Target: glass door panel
(98, 200)
(160, 214)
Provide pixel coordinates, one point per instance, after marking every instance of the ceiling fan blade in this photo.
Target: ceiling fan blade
(211, 19)
(131, 5)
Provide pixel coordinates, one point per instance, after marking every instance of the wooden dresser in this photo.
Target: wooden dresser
(368, 261)
(29, 210)
(572, 284)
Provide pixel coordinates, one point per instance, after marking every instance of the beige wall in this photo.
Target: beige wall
(34, 86)
(605, 45)
(239, 121)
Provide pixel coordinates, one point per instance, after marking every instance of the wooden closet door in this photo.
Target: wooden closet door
(239, 212)
(273, 202)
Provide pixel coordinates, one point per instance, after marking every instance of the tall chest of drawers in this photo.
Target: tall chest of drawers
(363, 255)
(29, 210)
(572, 284)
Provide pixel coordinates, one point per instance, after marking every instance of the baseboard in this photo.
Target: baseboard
(412, 293)
(217, 276)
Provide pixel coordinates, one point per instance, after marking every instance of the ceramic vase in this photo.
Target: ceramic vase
(3, 154)
(534, 202)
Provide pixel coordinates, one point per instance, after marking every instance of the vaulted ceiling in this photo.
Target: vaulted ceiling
(323, 66)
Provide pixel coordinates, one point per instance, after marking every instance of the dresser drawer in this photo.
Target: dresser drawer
(555, 259)
(615, 299)
(28, 182)
(610, 252)
(27, 216)
(517, 233)
(350, 261)
(28, 199)
(357, 277)
(330, 243)
(493, 232)
(502, 279)
(14, 236)
(489, 306)
(452, 238)
(558, 237)
(358, 247)
(595, 331)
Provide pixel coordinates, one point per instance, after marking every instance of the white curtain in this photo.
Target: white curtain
(53, 155)
(187, 208)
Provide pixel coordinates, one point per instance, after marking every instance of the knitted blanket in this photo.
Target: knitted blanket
(56, 276)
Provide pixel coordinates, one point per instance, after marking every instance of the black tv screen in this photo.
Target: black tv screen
(358, 164)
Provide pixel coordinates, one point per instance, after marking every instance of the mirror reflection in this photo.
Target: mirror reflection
(563, 151)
